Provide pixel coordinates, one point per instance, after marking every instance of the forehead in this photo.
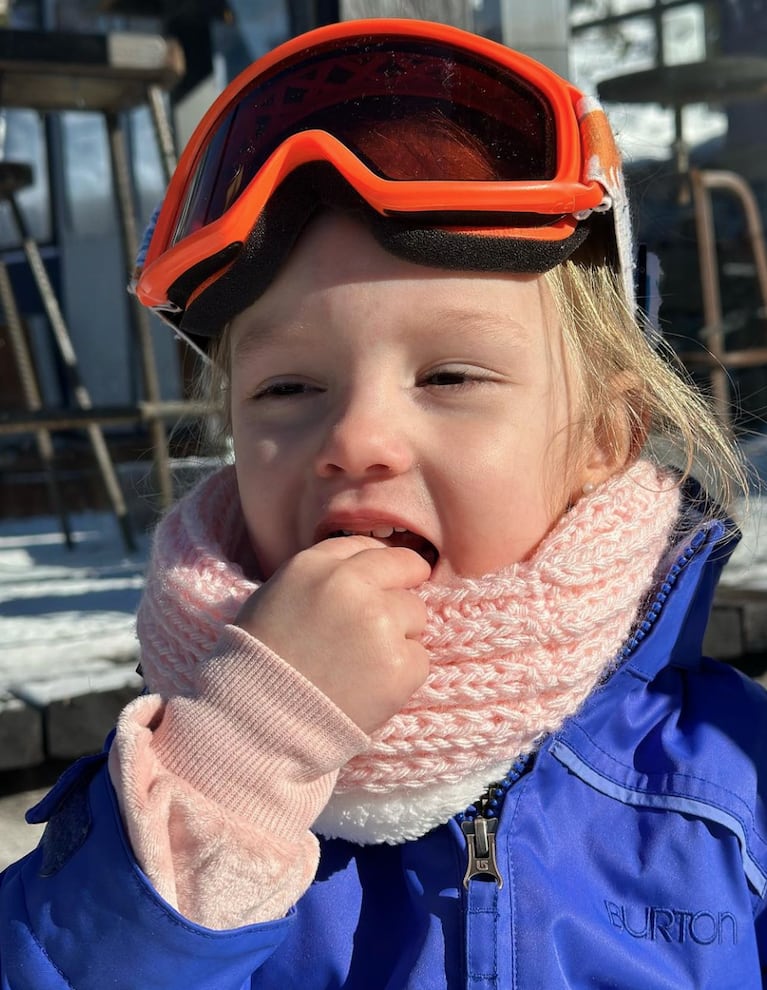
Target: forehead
(338, 270)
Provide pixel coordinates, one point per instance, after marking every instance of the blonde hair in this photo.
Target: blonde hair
(671, 419)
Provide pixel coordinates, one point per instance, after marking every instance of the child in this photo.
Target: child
(426, 702)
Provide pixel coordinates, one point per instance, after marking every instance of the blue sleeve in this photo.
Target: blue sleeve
(79, 913)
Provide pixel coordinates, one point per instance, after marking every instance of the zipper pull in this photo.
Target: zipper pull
(480, 843)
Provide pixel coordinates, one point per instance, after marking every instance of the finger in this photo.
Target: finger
(398, 567)
(417, 660)
(343, 547)
(411, 612)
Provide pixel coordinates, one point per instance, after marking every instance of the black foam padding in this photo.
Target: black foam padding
(465, 251)
(253, 266)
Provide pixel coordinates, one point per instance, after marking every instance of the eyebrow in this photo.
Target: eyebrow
(504, 331)
(261, 333)
(256, 334)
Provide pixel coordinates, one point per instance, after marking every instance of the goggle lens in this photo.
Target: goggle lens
(409, 110)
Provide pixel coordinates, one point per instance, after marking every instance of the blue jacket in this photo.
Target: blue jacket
(632, 854)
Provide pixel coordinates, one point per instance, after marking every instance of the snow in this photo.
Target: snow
(66, 611)
(747, 567)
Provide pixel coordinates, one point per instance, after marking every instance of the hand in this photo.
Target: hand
(341, 614)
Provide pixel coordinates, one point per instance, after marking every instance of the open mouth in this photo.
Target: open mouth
(394, 536)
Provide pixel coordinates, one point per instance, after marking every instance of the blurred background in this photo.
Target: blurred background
(99, 429)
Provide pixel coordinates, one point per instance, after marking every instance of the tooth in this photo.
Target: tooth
(382, 532)
(400, 529)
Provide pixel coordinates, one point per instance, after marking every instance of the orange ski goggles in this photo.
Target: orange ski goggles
(419, 127)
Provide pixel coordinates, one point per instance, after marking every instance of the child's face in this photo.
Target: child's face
(371, 394)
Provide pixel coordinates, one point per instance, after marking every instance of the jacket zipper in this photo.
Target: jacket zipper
(479, 824)
(655, 607)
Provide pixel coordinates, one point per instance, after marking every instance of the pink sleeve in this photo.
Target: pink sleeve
(218, 791)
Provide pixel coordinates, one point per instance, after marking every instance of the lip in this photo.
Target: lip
(368, 520)
(364, 522)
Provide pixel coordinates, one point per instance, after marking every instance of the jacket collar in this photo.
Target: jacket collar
(672, 625)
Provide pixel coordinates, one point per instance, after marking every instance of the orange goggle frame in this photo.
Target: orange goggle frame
(339, 95)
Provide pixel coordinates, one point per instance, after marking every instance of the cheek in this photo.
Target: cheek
(265, 478)
(271, 478)
(258, 477)
(262, 509)
(254, 448)
(558, 471)
(563, 449)
(263, 454)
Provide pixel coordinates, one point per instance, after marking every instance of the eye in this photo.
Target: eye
(284, 390)
(455, 377)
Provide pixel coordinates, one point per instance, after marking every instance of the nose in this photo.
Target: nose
(365, 437)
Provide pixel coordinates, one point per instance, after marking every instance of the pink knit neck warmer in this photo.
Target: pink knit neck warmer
(513, 653)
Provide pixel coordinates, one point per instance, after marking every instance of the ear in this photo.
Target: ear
(616, 437)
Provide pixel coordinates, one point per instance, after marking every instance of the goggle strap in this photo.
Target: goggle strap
(146, 240)
(603, 165)
(647, 278)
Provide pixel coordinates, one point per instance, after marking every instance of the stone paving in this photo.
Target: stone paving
(69, 650)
